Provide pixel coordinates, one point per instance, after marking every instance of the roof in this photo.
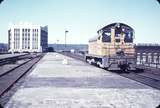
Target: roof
(108, 28)
(114, 25)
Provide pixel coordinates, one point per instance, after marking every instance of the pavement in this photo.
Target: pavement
(75, 84)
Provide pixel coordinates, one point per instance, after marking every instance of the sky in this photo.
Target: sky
(82, 18)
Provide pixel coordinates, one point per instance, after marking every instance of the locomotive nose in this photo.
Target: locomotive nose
(120, 52)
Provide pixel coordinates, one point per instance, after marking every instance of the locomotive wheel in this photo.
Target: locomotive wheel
(139, 70)
(123, 68)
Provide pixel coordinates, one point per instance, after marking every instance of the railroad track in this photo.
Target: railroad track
(143, 78)
(12, 59)
(148, 78)
(10, 77)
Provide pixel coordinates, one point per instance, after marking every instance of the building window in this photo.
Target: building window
(15, 30)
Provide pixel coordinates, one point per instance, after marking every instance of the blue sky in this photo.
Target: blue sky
(82, 18)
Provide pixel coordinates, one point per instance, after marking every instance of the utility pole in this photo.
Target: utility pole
(66, 38)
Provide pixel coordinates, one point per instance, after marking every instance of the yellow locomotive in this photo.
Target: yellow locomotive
(113, 48)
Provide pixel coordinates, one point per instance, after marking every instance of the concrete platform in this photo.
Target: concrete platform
(79, 85)
(4, 56)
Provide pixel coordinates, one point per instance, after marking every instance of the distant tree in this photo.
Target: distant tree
(158, 106)
(1, 1)
(50, 49)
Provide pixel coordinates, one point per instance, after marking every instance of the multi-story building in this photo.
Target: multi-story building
(3, 48)
(26, 37)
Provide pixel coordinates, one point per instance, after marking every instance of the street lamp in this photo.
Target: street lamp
(66, 38)
(65, 61)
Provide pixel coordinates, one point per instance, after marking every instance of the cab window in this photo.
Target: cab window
(106, 37)
(128, 37)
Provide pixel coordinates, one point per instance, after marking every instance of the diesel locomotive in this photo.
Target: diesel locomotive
(113, 48)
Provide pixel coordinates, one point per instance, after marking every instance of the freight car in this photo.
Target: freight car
(113, 48)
